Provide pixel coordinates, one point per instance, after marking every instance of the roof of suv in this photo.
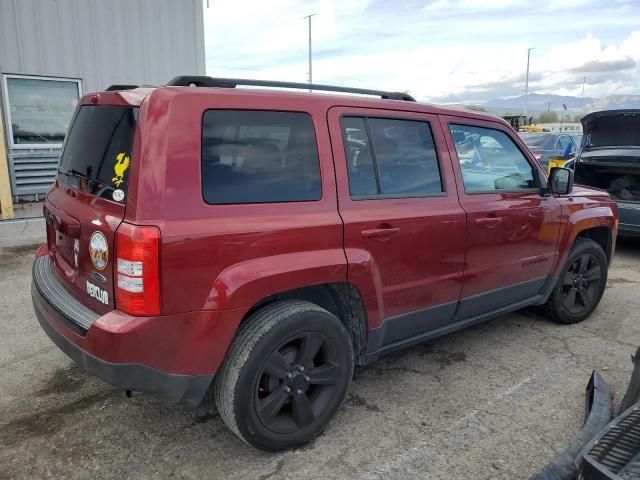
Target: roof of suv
(135, 96)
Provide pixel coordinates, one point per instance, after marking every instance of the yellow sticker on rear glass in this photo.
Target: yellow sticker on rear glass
(121, 165)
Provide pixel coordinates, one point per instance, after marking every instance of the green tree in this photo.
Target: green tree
(477, 108)
(548, 117)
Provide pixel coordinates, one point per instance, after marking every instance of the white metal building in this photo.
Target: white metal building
(53, 51)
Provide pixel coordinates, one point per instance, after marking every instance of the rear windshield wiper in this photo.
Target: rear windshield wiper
(74, 172)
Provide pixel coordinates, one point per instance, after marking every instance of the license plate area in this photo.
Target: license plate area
(67, 248)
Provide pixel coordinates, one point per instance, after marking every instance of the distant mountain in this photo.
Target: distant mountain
(615, 102)
(539, 103)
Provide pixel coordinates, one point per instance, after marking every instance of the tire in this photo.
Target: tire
(286, 373)
(580, 285)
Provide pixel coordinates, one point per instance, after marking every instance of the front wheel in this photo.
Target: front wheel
(581, 283)
(285, 375)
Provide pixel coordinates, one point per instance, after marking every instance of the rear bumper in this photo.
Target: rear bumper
(170, 388)
(172, 356)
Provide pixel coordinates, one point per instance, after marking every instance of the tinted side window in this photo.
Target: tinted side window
(258, 156)
(362, 174)
(390, 157)
(490, 160)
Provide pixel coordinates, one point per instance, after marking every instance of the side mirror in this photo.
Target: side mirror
(561, 181)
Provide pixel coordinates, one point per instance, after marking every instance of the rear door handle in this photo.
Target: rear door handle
(382, 233)
(489, 222)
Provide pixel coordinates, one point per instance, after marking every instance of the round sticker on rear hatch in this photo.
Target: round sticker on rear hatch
(98, 250)
(118, 195)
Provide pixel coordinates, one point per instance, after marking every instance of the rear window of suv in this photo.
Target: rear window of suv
(251, 156)
(97, 151)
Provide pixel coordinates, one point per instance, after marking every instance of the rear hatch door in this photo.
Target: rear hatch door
(612, 138)
(87, 203)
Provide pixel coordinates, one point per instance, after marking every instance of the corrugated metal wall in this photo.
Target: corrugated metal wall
(102, 42)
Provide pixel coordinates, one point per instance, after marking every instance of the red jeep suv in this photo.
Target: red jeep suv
(263, 242)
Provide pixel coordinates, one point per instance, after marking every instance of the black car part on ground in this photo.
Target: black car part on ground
(599, 406)
(632, 395)
(614, 454)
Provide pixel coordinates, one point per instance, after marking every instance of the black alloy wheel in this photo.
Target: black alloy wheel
(581, 284)
(285, 375)
(298, 382)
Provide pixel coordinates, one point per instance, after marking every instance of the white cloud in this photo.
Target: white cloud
(439, 49)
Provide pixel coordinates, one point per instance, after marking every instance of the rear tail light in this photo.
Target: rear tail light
(137, 269)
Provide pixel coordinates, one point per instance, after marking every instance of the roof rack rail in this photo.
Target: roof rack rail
(111, 88)
(205, 81)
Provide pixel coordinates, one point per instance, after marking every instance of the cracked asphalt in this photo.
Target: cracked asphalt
(496, 401)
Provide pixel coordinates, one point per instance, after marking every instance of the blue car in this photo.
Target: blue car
(545, 145)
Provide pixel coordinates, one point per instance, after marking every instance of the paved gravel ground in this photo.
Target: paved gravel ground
(495, 401)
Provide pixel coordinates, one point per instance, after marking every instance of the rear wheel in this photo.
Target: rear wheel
(581, 284)
(285, 375)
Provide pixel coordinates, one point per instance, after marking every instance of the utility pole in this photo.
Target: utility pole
(310, 51)
(584, 79)
(526, 83)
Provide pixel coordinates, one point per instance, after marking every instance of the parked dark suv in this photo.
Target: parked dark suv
(264, 242)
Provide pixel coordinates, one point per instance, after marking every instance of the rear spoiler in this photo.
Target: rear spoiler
(112, 88)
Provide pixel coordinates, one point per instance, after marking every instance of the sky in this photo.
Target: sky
(442, 51)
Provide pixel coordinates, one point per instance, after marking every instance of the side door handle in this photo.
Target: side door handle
(489, 222)
(382, 232)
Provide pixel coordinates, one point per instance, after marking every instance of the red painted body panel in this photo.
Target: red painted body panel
(88, 214)
(201, 242)
(511, 237)
(217, 261)
(584, 209)
(422, 264)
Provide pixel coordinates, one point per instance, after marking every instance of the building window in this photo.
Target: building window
(38, 109)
